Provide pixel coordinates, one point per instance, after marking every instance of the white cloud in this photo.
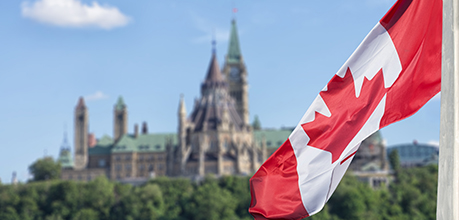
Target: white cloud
(74, 13)
(98, 95)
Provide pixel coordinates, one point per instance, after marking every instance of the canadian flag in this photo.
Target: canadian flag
(390, 76)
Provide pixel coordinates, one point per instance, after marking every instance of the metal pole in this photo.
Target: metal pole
(448, 173)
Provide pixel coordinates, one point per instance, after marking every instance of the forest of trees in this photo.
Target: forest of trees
(412, 195)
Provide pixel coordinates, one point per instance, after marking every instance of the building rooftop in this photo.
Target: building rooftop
(415, 154)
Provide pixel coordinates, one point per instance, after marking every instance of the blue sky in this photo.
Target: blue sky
(54, 51)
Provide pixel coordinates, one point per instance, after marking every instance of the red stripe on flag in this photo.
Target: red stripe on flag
(349, 156)
(276, 182)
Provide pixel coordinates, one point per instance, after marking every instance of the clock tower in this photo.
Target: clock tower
(236, 74)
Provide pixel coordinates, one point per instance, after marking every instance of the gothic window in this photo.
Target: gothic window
(213, 144)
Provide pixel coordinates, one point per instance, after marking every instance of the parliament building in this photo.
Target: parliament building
(215, 138)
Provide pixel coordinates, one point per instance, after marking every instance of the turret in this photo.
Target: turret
(120, 119)
(182, 133)
(65, 158)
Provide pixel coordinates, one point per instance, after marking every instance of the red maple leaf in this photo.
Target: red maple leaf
(348, 113)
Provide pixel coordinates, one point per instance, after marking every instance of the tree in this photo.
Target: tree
(176, 194)
(45, 169)
(395, 164)
(239, 188)
(209, 201)
(256, 124)
(99, 196)
(394, 160)
(87, 214)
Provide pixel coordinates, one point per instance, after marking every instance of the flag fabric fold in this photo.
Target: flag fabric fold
(390, 76)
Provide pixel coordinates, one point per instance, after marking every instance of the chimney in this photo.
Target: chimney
(136, 130)
(145, 130)
(91, 140)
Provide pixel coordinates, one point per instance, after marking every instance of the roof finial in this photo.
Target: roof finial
(65, 145)
(213, 42)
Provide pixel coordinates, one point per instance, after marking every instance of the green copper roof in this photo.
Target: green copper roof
(234, 53)
(120, 103)
(274, 138)
(144, 143)
(65, 158)
(129, 143)
(124, 144)
(106, 140)
(103, 146)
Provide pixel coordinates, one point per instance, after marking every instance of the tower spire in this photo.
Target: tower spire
(65, 144)
(214, 74)
(65, 158)
(236, 74)
(234, 52)
(182, 110)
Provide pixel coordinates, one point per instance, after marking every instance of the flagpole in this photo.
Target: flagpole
(448, 173)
